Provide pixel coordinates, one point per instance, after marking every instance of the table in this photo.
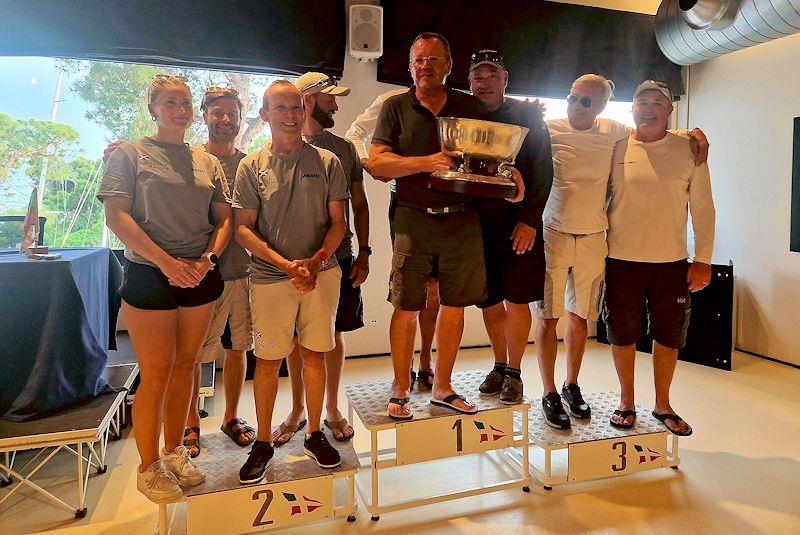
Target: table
(57, 321)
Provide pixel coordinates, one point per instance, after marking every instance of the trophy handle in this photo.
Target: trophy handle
(503, 169)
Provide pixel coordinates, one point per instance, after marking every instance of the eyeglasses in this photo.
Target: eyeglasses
(163, 77)
(322, 84)
(586, 102)
(433, 60)
(492, 56)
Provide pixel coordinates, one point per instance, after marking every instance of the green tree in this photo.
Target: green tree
(24, 145)
(70, 195)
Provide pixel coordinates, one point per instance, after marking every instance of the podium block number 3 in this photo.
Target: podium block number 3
(623, 462)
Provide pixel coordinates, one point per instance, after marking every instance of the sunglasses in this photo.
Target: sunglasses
(322, 84)
(586, 102)
(486, 55)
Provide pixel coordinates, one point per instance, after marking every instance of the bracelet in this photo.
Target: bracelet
(322, 256)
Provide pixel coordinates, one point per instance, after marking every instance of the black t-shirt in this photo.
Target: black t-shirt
(410, 129)
(534, 162)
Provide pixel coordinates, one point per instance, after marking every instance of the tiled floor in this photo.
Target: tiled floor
(740, 471)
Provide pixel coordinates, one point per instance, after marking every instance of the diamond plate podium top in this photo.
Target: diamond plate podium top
(603, 405)
(220, 459)
(369, 399)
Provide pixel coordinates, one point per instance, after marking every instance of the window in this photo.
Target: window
(57, 116)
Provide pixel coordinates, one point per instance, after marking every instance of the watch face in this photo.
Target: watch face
(212, 257)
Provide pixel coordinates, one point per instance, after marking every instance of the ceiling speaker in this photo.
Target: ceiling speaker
(366, 32)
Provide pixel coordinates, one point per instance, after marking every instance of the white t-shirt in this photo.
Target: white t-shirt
(652, 184)
(360, 132)
(581, 165)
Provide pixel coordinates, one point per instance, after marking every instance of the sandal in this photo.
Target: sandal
(192, 444)
(286, 428)
(401, 402)
(422, 379)
(448, 402)
(333, 425)
(676, 420)
(623, 415)
(238, 434)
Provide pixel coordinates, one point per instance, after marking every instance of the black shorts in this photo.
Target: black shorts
(392, 210)
(518, 278)
(148, 288)
(447, 247)
(659, 288)
(350, 313)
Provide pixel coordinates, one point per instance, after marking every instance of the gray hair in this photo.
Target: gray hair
(608, 85)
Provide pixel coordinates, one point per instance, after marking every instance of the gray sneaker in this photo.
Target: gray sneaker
(493, 384)
(182, 466)
(158, 484)
(512, 391)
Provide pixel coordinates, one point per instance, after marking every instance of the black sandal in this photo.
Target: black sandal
(422, 379)
(676, 420)
(448, 402)
(623, 415)
(237, 435)
(402, 403)
(192, 444)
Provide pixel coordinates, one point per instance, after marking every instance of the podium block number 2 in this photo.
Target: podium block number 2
(259, 520)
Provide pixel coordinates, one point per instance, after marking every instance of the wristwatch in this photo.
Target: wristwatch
(365, 249)
(212, 258)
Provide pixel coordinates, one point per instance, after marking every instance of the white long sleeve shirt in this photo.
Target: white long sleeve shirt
(360, 132)
(653, 187)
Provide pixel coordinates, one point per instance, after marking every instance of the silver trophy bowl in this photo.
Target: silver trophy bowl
(486, 149)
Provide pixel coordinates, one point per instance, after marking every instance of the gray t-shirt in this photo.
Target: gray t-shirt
(234, 262)
(353, 172)
(291, 194)
(172, 188)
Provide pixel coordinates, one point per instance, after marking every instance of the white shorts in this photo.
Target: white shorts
(233, 307)
(279, 308)
(574, 277)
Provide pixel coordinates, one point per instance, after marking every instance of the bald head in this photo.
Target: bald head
(279, 86)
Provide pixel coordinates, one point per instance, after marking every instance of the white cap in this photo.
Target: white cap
(317, 82)
(653, 85)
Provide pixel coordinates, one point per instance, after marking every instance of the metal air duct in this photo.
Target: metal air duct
(723, 26)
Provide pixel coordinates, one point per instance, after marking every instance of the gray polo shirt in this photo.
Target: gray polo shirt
(172, 188)
(291, 194)
(353, 172)
(234, 262)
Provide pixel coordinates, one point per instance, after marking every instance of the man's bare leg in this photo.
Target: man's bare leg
(295, 366)
(334, 361)
(664, 362)
(546, 351)
(575, 340)
(427, 325)
(235, 368)
(265, 388)
(402, 331)
(314, 381)
(517, 331)
(624, 360)
(494, 318)
(449, 331)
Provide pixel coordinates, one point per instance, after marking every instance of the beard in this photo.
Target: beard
(223, 135)
(321, 117)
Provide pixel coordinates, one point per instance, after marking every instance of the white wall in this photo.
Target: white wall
(746, 102)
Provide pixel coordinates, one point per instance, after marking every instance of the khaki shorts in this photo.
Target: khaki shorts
(233, 307)
(574, 274)
(279, 309)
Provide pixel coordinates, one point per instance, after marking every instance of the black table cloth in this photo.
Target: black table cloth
(57, 321)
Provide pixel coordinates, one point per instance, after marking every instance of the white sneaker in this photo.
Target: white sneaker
(181, 465)
(158, 484)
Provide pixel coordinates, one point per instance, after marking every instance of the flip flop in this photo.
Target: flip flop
(237, 435)
(284, 428)
(623, 415)
(338, 424)
(676, 420)
(402, 403)
(192, 444)
(448, 402)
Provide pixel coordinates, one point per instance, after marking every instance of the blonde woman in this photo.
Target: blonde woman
(158, 194)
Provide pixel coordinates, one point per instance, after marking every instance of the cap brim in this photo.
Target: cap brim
(652, 87)
(336, 90)
(487, 62)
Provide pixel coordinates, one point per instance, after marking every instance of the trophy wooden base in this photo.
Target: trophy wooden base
(473, 184)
